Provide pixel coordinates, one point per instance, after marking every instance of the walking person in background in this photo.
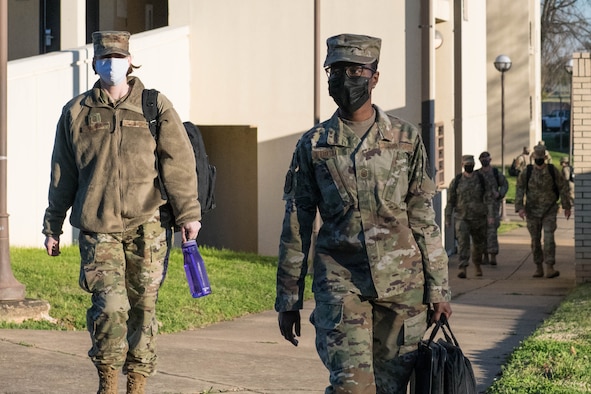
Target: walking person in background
(498, 185)
(569, 175)
(470, 204)
(378, 259)
(522, 160)
(103, 167)
(538, 189)
(548, 159)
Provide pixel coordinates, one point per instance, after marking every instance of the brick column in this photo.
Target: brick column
(581, 129)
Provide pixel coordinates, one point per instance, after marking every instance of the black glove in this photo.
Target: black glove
(287, 321)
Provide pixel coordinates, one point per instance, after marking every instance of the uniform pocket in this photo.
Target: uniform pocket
(397, 176)
(327, 316)
(413, 330)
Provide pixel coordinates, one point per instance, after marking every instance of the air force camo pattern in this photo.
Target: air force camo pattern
(379, 237)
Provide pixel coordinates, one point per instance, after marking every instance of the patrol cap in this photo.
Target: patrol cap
(539, 151)
(564, 159)
(110, 42)
(352, 48)
(483, 155)
(468, 159)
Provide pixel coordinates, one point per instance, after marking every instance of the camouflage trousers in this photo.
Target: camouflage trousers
(535, 226)
(492, 239)
(123, 272)
(370, 346)
(471, 236)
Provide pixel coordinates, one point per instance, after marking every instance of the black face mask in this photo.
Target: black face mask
(469, 168)
(349, 93)
(539, 162)
(485, 163)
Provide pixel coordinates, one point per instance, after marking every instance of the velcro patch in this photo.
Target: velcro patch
(323, 153)
(134, 123)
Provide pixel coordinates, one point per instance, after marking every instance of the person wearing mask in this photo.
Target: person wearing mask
(538, 190)
(470, 203)
(548, 159)
(378, 260)
(104, 168)
(498, 185)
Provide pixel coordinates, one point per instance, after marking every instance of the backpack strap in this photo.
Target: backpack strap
(482, 182)
(553, 175)
(496, 174)
(150, 110)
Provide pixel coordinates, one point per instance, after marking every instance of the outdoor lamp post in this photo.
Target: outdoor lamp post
(569, 69)
(503, 64)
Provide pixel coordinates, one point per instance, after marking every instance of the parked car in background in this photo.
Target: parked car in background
(557, 120)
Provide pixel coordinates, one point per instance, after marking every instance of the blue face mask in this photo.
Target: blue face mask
(112, 70)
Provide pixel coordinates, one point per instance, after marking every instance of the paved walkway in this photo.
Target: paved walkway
(491, 315)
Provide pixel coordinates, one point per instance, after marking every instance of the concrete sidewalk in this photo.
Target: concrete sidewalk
(491, 315)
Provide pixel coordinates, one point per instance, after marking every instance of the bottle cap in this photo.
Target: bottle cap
(190, 242)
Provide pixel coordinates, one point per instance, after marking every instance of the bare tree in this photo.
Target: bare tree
(564, 30)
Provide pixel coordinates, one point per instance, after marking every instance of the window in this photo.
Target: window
(440, 156)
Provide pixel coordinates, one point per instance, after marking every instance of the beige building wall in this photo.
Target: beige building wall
(473, 89)
(23, 26)
(73, 24)
(513, 30)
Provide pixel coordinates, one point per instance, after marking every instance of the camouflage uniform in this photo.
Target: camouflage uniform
(105, 171)
(538, 197)
(499, 185)
(470, 204)
(378, 257)
(568, 174)
(522, 160)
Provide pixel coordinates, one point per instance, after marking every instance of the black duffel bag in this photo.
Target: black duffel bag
(441, 366)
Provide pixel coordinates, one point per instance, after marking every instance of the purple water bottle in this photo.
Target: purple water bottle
(195, 270)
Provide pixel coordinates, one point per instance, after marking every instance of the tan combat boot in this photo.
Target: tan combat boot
(108, 378)
(462, 273)
(539, 271)
(550, 272)
(135, 383)
(493, 259)
(478, 269)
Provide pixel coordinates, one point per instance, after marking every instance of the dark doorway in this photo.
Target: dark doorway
(50, 26)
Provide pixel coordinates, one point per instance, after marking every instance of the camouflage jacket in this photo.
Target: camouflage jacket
(469, 198)
(378, 236)
(103, 164)
(539, 196)
(496, 182)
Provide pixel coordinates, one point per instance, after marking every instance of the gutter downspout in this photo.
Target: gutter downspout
(428, 81)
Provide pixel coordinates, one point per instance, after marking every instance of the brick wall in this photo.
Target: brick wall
(581, 131)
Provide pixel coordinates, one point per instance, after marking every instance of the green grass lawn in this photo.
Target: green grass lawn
(242, 283)
(555, 359)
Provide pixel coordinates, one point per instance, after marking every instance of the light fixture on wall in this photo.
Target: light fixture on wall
(438, 40)
(569, 66)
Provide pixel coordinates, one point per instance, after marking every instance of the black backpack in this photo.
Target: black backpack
(513, 169)
(206, 172)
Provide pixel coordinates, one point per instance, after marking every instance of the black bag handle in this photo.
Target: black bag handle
(443, 324)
